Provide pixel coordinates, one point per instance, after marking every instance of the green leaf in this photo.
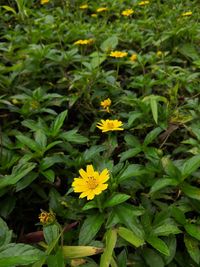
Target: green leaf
(161, 183)
(171, 169)
(130, 236)
(193, 230)
(47, 162)
(50, 175)
(41, 139)
(172, 245)
(152, 258)
(152, 136)
(8, 8)
(73, 137)
(190, 166)
(90, 228)
(17, 174)
(158, 244)
(109, 44)
(192, 246)
(5, 233)
(28, 142)
(19, 254)
(178, 215)
(58, 123)
(90, 205)
(111, 239)
(74, 252)
(189, 51)
(51, 233)
(131, 171)
(116, 199)
(130, 153)
(191, 191)
(154, 109)
(166, 229)
(56, 260)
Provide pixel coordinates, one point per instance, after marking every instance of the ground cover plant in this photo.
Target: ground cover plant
(99, 133)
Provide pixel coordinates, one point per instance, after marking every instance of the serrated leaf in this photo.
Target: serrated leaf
(130, 236)
(158, 244)
(90, 228)
(116, 199)
(111, 239)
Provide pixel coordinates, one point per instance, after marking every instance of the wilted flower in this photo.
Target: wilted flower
(143, 3)
(110, 125)
(90, 182)
(186, 14)
(127, 12)
(84, 42)
(42, 2)
(106, 104)
(85, 6)
(133, 57)
(46, 217)
(101, 9)
(118, 54)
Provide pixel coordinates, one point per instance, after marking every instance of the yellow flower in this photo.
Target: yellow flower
(110, 125)
(186, 14)
(85, 6)
(159, 53)
(84, 42)
(143, 3)
(118, 54)
(133, 57)
(94, 15)
(42, 2)
(106, 104)
(46, 217)
(101, 9)
(90, 182)
(127, 12)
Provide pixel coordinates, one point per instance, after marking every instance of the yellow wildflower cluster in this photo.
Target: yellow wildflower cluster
(186, 14)
(127, 12)
(106, 104)
(118, 54)
(46, 217)
(84, 42)
(90, 182)
(143, 3)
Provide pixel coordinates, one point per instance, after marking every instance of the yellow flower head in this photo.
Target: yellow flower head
(118, 54)
(159, 53)
(143, 3)
(84, 42)
(101, 9)
(186, 14)
(106, 104)
(110, 125)
(46, 217)
(42, 2)
(85, 6)
(94, 15)
(127, 12)
(90, 182)
(133, 57)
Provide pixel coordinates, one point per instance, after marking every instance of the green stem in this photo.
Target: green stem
(98, 201)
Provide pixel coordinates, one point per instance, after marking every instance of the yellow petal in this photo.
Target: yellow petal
(83, 174)
(104, 176)
(90, 170)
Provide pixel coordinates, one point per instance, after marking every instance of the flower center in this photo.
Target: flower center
(91, 182)
(110, 125)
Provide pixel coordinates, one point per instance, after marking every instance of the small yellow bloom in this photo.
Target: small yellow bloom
(46, 217)
(159, 53)
(85, 6)
(94, 15)
(133, 57)
(106, 104)
(143, 3)
(84, 42)
(127, 12)
(110, 125)
(118, 54)
(90, 182)
(186, 14)
(101, 9)
(42, 2)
